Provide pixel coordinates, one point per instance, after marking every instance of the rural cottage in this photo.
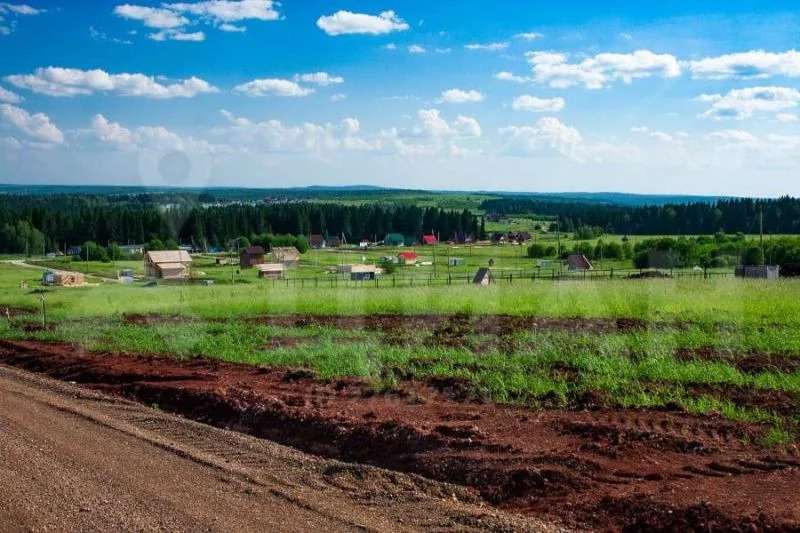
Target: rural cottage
(167, 264)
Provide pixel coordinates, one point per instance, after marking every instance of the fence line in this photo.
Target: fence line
(389, 281)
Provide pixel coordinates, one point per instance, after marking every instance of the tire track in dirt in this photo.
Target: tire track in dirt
(575, 466)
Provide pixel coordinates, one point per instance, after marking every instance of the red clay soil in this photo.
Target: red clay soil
(478, 324)
(751, 362)
(623, 470)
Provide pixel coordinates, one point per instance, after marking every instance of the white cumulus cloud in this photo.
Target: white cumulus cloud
(57, 81)
(744, 103)
(273, 86)
(534, 103)
(546, 135)
(227, 11)
(9, 96)
(37, 126)
(459, 96)
(346, 22)
(416, 49)
(555, 70)
(747, 65)
(173, 19)
(152, 17)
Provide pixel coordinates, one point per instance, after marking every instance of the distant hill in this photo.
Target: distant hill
(328, 192)
(615, 198)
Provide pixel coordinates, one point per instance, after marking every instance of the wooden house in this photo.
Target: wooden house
(167, 264)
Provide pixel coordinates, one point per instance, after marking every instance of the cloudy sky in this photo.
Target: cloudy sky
(689, 97)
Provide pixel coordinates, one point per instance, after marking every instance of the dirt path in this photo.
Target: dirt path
(77, 460)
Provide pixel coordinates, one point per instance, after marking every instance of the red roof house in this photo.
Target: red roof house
(429, 239)
(407, 258)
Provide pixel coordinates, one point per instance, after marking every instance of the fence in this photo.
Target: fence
(388, 281)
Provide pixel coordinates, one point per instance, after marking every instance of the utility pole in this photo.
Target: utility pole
(434, 255)
(761, 231)
(558, 237)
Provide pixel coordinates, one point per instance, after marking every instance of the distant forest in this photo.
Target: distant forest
(781, 215)
(35, 223)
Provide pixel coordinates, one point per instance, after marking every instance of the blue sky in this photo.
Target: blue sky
(687, 97)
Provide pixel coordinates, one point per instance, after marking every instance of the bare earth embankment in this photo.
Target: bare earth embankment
(72, 459)
(637, 469)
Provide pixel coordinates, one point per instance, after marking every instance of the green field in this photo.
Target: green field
(636, 368)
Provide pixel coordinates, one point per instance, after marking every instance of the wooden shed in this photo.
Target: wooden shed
(251, 256)
(271, 270)
(289, 256)
(578, 262)
(363, 272)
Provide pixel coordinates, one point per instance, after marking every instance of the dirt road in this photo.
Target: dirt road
(77, 460)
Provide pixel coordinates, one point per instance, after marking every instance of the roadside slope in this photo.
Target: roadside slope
(74, 459)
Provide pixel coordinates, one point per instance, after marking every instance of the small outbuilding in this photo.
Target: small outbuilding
(394, 239)
(251, 256)
(63, 278)
(455, 261)
(316, 241)
(289, 256)
(271, 270)
(429, 239)
(363, 272)
(578, 262)
(483, 277)
(407, 258)
(167, 264)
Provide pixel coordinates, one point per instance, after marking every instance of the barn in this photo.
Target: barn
(429, 239)
(251, 256)
(167, 264)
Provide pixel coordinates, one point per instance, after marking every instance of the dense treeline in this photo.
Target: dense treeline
(34, 224)
(781, 215)
(706, 251)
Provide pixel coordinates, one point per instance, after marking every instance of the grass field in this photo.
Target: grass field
(545, 366)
